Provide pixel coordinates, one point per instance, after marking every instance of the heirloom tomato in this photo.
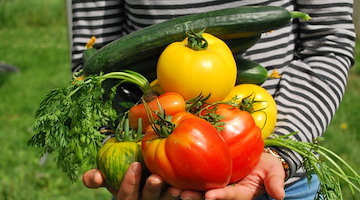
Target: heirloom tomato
(191, 156)
(114, 158)
(259, 102)
(208, 71)
(117, 153)
(170, 102)
(242, 137)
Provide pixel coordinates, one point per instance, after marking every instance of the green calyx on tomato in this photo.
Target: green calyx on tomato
(196, 41)
(115, 156)
(170, 102)
(257, 101)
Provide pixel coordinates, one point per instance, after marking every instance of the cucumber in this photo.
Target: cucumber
(88, 53)
(240, 45)
(250, 72)
(231, 23)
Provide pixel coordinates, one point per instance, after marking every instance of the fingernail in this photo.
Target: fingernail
(155, 184)
(135, 167)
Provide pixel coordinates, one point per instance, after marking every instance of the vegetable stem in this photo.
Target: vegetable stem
(129, 77)
(314, 157)
(196, 41)
(301, 15)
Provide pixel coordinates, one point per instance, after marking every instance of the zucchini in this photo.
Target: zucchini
(226, 24)
(250, 72)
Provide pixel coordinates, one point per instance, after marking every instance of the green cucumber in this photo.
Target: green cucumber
(226, 24)
(240, 45)
(250, 72)
(88, 53)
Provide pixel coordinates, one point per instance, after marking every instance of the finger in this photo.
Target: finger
(93, 179)
(274, 182)
(193, 195)
(129, 188)
(230, 192)
(172, 193)
(152, 188)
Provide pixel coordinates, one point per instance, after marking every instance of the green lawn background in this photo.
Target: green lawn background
(33, 37)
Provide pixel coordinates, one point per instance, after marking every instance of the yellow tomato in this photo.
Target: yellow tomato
(192, 72)
(259, 102)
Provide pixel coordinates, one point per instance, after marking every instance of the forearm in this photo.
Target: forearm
(312, 86)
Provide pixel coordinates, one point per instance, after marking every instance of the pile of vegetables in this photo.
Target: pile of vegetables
(174, 97)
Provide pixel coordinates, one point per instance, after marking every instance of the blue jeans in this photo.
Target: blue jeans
(300, 190)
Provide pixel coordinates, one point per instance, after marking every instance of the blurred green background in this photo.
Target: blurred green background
(33, 37)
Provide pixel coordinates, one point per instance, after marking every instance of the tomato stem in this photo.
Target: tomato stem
(196, 41)
(163, 125)
(124, 133)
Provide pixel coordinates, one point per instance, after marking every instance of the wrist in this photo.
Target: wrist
(281, 159)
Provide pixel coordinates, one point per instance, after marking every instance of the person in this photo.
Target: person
(313, 58)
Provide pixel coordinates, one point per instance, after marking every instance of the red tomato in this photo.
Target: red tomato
(194, 156)
(170, 102)
(242, 137)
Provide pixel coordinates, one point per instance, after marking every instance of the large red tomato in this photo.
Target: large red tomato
(193, 156)
(242, 137)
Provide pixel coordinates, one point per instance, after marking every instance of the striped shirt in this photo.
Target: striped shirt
(313, 57)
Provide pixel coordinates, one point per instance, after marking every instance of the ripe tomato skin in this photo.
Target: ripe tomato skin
(193, 157)
(243, 139)
(191, 73)
(263, 110)
(171, 102)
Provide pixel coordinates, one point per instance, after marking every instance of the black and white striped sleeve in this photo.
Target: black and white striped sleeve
(312, 85)
(103, 19)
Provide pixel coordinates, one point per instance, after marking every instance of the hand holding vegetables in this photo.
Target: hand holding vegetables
(267, 174)
(130, 187)
(180, 141)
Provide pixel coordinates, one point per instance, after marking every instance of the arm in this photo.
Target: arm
(312, 85)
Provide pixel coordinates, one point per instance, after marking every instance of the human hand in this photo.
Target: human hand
(267, 177)
(130, 186)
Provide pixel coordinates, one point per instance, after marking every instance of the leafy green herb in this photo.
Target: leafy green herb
(68, 120)
(321, 161)
(67, 124)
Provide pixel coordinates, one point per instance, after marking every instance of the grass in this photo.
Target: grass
(38, 46)
(34, 38)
